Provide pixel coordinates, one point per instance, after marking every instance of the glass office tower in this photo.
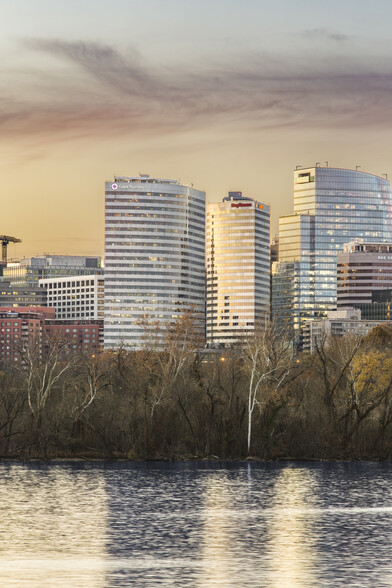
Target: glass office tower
(154, 255)
(238, 268)
(331, 207)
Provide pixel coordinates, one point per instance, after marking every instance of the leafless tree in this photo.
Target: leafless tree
(268, 366)
(168, 348)
(43, 365)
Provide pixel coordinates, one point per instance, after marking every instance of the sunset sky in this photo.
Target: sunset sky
(228, 95)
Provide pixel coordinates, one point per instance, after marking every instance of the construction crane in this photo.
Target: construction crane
(5, 239)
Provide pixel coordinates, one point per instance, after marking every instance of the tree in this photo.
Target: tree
(268, 366)
(168, 348)
(369, 386)
(12, 403)
(43, 366)
(92, 377)
(333, 362)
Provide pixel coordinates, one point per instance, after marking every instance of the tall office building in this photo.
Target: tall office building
(154, 255)
(238, 268)
(331, 207)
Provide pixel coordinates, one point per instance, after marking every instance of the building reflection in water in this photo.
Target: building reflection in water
(216, 541)
(291, 556)
(52, 527)
(262, 532)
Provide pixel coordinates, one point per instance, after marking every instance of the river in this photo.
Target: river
(100, 524)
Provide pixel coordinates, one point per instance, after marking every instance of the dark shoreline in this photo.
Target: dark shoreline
(84, 459)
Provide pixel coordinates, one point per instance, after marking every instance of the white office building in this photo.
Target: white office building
(75, 297)
(238, 269)
(154, 255)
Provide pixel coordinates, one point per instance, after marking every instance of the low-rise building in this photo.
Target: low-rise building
(21, 295)
(75, 297)
(83, 335)
(338, 323)
(29, 270)
(19, 327)
(22, 326)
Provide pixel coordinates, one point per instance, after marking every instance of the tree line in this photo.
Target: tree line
(170, 400)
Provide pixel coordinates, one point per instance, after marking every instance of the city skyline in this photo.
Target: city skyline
(226, 96)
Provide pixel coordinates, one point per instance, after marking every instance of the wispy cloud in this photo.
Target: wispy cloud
(326, 34)
(96, 91)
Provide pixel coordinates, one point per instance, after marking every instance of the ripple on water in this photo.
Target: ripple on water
(196, 524)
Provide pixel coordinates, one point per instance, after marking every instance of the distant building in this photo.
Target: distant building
(285, 294)
(238, 268)
(29, 271)
(83, 335)
(20, 327)
(274, 249)
(154, 255)
(16, 295)
(75, 297)
(363, 269)
(338, 323)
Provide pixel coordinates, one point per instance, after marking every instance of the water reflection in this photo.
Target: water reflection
(195, 524)
(52, 527)
(216, 542)
(291, 552)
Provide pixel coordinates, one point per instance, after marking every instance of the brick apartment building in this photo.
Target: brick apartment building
(22, 325)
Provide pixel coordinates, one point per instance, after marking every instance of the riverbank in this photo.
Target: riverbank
(272, 405)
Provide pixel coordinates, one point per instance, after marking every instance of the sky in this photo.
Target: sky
(223, 94)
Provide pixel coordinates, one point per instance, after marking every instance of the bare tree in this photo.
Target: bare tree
(267, 364)
(92, 377)
(334, 363)
(43, 366)
(12, 403)
(168, 348)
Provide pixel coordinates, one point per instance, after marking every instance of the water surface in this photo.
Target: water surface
(195, 524)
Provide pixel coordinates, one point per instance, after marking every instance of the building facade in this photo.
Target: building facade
(362, 269)
(20, 326)
(16, 295)
(338, 323)
(28, 271)
(154, 255)
(238, 268)
(83, 335)
(75, 297)
(285, 293)
(331, 207)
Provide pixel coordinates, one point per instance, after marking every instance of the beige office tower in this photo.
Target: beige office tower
(238, 269)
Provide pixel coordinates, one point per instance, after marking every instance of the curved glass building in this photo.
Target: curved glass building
(154, 255)
(331, 207)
